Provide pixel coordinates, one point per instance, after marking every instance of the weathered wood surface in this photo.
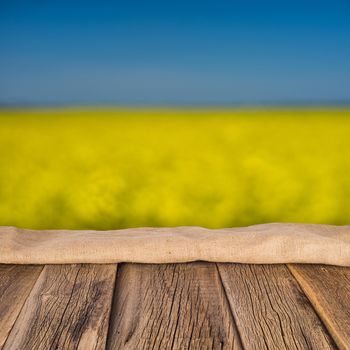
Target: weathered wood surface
(328, 288)
(270, 309)
(174, 306)
(16, 282)
(68, 308)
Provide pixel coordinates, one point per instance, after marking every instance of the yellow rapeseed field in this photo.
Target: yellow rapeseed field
(115, 168)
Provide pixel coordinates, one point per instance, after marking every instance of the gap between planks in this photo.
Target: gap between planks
(16, 283)
(328, 289)
(171, 306)
(270, 309)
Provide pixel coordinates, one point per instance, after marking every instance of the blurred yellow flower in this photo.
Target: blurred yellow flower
(114, 168)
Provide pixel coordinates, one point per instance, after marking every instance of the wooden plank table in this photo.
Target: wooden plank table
(174, 306)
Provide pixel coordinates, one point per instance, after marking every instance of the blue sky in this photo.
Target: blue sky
(174, 52)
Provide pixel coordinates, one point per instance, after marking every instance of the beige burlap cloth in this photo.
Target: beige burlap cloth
(259, 244)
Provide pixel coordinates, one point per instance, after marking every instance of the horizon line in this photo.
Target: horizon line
(232, 104)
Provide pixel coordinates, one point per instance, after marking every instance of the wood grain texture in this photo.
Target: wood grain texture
(16, 282)
(68, 308)
(270, 309)
(172, 306)
(328, 288)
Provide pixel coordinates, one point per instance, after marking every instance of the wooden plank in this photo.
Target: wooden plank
(270, 309)
(68, 308)
(16, 282)
(171, 306)
(328, 288)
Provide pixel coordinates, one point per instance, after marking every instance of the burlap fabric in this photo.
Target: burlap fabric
(259, 244)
